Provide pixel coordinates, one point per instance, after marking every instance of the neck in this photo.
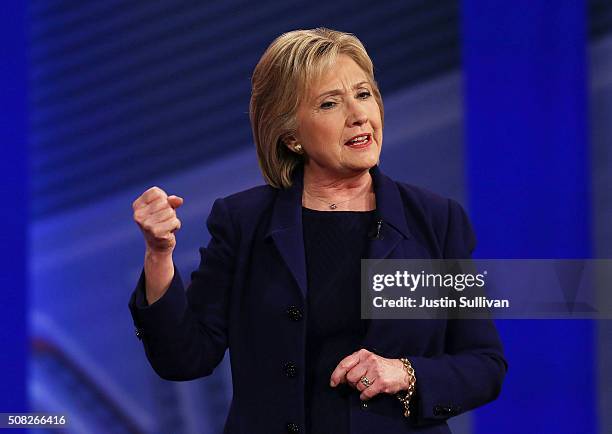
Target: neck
(353, 192)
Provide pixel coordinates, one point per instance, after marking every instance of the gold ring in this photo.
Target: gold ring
(366, 381)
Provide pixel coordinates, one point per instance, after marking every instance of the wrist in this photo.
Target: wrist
(159, 272)
(405, 381)
(406, 395)
(157, 256)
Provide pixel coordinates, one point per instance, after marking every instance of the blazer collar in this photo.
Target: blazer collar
(286, 223)
(287, 210)
(389, 203)
(286, 229)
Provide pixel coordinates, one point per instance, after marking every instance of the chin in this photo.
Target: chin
(370, 160)
(364, 165)
(361, 161)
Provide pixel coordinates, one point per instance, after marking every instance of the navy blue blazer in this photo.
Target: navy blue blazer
(248, 295)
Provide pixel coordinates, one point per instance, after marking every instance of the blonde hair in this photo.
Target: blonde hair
(280, 80)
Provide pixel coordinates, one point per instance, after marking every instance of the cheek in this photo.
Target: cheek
(377, 122)
(377, 116)
(319, 138)
(328, 132)
(374, 115)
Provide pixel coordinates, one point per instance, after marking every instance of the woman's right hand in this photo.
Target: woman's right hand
(155, 214)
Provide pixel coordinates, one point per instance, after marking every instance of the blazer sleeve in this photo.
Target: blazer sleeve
(470, 371)
(185, 333)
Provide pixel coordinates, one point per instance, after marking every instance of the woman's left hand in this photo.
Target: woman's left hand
(384, 375)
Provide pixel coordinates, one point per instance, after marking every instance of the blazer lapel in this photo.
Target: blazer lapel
(286, 229)
(380, 334)
(391, 220)
(286, 224)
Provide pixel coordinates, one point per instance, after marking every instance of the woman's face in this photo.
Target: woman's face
(339, 124)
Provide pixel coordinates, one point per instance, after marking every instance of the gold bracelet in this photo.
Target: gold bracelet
(405, 400)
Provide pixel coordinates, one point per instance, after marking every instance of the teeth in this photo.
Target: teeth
(360, 139)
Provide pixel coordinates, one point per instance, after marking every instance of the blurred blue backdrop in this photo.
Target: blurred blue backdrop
(503, 106)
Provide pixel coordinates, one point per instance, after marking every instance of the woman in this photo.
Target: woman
(278, 283)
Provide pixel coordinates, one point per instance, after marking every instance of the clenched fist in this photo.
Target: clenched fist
(155, 214)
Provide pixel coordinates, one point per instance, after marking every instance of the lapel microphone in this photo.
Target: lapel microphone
(375, 231)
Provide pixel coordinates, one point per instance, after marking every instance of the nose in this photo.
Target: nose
(356, 115)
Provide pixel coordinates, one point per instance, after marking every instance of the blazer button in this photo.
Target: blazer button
(291, 370)
(293, 428)
(364, 405)
(294, 313)
(440, 410)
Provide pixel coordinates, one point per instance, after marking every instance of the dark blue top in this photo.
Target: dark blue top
(251, 286)
(334, 243)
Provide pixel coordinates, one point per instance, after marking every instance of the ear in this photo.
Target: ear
(293, 144)
(290, 141)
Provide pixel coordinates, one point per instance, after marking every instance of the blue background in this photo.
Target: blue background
(503, 106)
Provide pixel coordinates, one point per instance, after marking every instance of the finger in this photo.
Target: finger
(177, 226)
(353, 376)
(175, 201)
(145, 213)
(370, 392)
(172, 225)
(153, 193)
(339, 374)
(155, 206)
(148, 222)
(162, 215)
(162, 230)
(149, 196)
(151, 221)
(154, 226)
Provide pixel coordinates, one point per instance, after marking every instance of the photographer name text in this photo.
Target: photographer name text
(443, 302)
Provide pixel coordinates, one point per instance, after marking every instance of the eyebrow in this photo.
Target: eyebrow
(340, 91)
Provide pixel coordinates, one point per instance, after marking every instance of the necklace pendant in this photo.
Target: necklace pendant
(333, 206)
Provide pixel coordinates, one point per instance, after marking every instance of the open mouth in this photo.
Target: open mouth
(360, 141)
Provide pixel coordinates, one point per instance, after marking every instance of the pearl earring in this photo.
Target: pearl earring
(298, 148)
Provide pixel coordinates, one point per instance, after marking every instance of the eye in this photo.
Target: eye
(327, 105)
(365, 94)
